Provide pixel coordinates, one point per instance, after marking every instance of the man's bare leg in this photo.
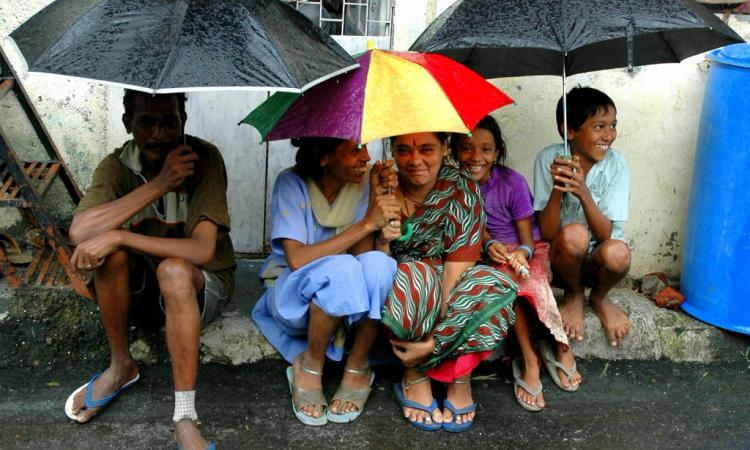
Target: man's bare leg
(609, 263)
(567, 254)
(179, 282)
(359, 358)
(112, 282)
(319, 331)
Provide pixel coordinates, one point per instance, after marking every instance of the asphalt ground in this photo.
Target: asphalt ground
(622, 404)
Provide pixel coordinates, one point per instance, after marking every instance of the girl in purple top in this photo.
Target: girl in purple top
(513, 243)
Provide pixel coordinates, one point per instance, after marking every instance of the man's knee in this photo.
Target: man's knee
(175, 278)
(615, 256)
(572, 241)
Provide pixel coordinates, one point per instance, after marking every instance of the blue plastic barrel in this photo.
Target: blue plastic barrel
(716, 248)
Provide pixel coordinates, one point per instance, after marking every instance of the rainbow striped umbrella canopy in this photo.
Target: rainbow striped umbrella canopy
(391, 93)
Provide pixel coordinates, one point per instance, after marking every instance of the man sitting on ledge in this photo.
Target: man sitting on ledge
(155, 223)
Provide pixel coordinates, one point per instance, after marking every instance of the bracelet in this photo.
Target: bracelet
(487, 243)
(528, 250)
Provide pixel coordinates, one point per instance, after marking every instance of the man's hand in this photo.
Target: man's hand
(569, 177)
(91, 253)
(413, 353)
(178, 165)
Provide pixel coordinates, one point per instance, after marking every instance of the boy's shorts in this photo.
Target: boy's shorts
(144, 288)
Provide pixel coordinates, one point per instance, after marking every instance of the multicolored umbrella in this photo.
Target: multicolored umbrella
(392, 93)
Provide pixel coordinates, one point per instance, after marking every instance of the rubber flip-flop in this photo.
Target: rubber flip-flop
(404, 403)
(551, 364)
(13, 252)
(308, 397)
(454, 427)
(99, 403)
(211, 446)
(356, 396)
(518, 381)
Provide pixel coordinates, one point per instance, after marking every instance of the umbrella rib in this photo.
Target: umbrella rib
(170, 57)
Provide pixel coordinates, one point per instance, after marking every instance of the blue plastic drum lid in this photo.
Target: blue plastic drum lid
(716, 247)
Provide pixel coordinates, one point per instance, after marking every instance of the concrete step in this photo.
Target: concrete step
(40, 326)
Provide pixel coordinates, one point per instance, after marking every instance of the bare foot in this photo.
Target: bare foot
(564, 355)
(459, 394)
(530, 375)
(111, 380)
(306, 380)
(354, 381)
(421, 393)
(573, 318)
(187, 435)
(614, 319)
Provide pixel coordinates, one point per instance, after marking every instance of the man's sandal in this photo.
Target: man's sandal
(551, 363)
(452, 426)
(399, 389)
(88, 400)
(307, 397)
(345, 394)
(518, 382)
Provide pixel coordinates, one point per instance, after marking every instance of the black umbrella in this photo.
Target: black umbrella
(502, 38)
(164, 46)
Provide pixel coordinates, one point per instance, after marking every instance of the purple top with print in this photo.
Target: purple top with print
(507, 198)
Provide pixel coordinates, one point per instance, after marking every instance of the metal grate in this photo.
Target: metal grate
(349, 17)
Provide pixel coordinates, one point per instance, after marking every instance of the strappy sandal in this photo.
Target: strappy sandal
(452, 426)
(357, 397)
(518, 381)
(399, 389)
(307, 397)
(551, 364)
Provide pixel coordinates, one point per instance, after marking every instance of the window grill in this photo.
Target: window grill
(348, 17)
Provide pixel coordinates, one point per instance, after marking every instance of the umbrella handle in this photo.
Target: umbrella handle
(407, 229)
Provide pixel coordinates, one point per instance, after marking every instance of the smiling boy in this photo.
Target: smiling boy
(582, 204)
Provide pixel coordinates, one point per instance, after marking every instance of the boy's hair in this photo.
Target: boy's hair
(490, 124)
(310, 152)
(583, 102)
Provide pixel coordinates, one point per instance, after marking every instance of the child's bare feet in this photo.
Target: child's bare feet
(187, 435)
(564, 355)
(459, 394)
(572, 314)
(614, 319)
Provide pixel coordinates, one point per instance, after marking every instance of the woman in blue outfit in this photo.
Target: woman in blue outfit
(325, 219)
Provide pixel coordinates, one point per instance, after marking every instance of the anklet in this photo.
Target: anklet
(409, 384)
(184, 406)
(307, 369)
(364, 371)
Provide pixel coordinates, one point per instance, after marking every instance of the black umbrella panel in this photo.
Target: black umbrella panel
(164, 46)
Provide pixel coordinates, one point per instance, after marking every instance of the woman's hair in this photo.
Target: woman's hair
(490, 124)
(441, 135)
(310, 153)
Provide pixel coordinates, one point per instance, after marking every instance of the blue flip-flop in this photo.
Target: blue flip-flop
(211, 446)
(454, 427)
(89, 402)
(398, 389)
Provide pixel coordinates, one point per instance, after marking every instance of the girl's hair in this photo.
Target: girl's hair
(490, 124)
(310, 152)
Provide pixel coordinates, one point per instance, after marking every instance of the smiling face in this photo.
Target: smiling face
(348, 163)
(478, 154)
(156, 126)
(418, 157)
(595, 136)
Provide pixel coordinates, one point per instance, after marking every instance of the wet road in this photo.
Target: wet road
(642, 405)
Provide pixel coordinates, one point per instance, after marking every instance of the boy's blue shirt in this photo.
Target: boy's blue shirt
(609, 183)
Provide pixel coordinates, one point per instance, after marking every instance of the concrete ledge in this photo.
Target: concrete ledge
(234, 339)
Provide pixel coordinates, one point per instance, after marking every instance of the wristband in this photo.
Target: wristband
(487, 243)
(528, 250)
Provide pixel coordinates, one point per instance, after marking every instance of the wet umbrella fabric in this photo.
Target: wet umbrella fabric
(503, 38)
(164, 46)
(391, 93)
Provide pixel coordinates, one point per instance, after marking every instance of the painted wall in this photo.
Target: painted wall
(658, 112)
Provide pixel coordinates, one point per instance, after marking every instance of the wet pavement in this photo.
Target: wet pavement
(642, 405)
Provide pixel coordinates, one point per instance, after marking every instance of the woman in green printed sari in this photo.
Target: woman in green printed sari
(447, 314)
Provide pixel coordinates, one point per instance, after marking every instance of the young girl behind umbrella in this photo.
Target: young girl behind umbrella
(513, 244)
